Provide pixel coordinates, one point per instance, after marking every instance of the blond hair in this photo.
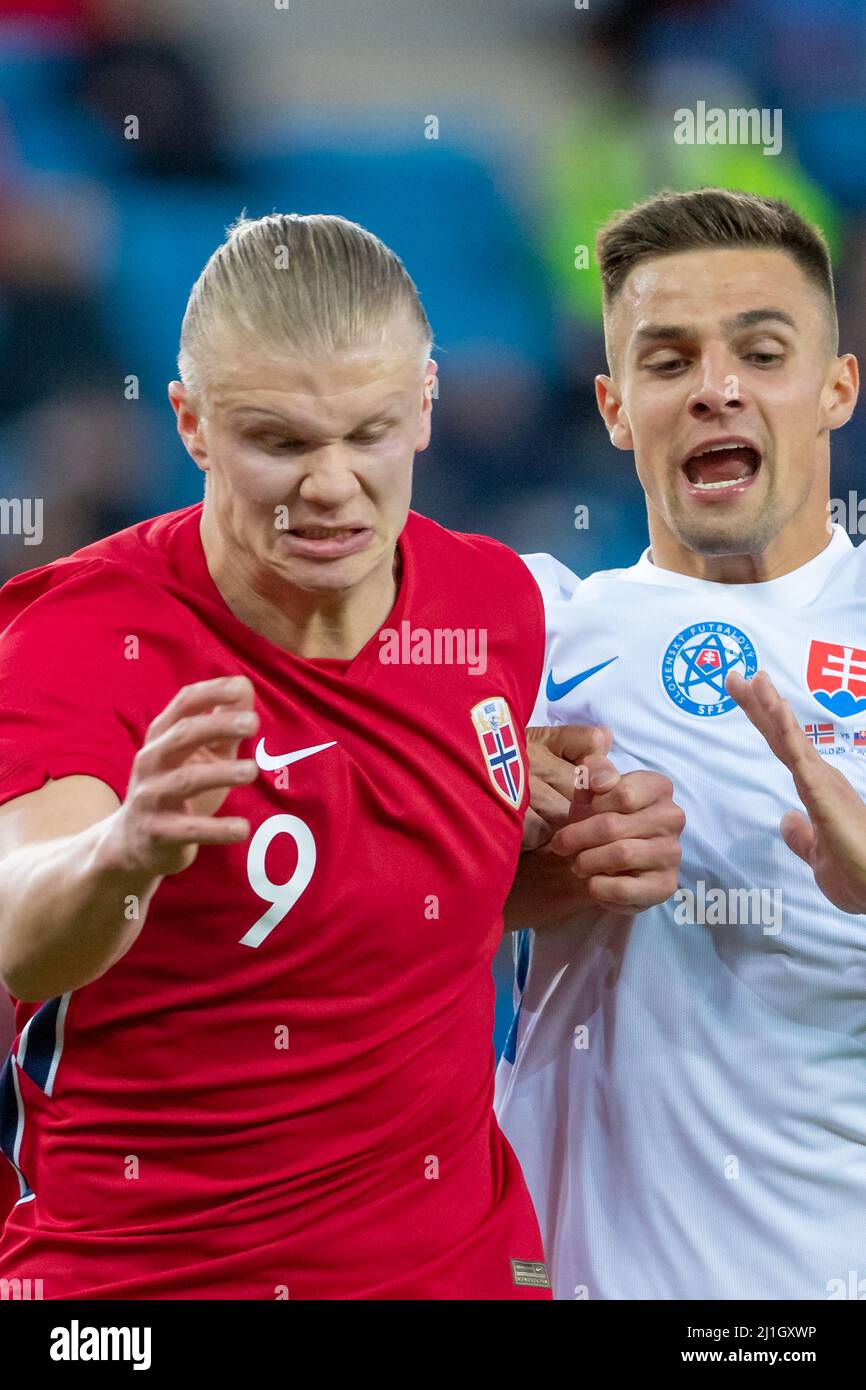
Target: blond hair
(316, 284)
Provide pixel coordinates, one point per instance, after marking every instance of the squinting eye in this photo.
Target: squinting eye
(766, 357)
(666, 365)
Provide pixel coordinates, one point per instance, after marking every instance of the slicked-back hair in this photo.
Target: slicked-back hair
(313, 285)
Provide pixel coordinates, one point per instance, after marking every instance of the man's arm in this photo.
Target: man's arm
(62, 920)
(72, 857)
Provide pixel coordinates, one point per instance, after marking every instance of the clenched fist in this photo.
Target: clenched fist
(594, 838)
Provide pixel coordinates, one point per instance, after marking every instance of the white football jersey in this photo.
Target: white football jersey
(686, 1088)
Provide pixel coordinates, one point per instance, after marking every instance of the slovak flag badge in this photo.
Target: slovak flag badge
(495, 729)
(708, 656)
(836, 676)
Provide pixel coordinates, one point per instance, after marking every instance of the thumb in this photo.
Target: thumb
(799, 834)
(594, 776)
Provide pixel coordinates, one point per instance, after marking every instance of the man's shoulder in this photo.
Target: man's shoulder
(465, 553)
(114, 571)
(143, 543)
(559, 584)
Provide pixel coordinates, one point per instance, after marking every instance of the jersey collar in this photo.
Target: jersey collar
(798, 587)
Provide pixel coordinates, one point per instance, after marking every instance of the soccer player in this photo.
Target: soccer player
(686, 1088)
(259, 818)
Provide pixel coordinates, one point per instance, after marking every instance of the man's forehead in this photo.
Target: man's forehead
(338, 383)
(713, 286)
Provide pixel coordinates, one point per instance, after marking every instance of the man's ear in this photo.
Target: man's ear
(426, 421)
(839, 396)
(607, 395)
(189, 423)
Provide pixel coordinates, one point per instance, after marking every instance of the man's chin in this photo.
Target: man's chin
(331, 576)
(325, 576)
(732, 539)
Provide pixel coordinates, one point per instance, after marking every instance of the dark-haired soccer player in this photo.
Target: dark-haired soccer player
(686, 1090)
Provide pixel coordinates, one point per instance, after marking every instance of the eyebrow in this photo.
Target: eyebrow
(749, 318)
(385, 409)
(254, 414)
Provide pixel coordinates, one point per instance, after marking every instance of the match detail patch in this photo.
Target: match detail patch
(531, 1273)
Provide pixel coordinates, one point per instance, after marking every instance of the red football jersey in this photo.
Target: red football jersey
(284, 1088)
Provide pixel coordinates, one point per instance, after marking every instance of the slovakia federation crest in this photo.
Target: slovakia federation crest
(697, 662)
(836, 676)
(495, 729)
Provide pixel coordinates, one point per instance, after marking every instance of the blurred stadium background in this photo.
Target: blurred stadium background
(484, 140)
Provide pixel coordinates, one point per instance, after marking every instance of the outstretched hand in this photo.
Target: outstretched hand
(831, 836)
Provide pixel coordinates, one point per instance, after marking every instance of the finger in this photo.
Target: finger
(628, 856)
(601, 773)
(607, 826)
(774, 719)
(190, 779)
(176, 829)
(536, 831)
(635, 791)
(629, 895)
(201, 696)
(548, 805)
(759, 700)
(573, 742)
(595, 774)
(799, 835)
(194, 732)
(555, 773)
(548, 767)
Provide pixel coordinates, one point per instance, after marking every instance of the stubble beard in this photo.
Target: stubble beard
(731, 535)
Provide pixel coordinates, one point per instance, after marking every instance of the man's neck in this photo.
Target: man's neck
(782, 556)
(314, 626)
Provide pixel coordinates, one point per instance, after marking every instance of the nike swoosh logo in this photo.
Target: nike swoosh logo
(268, 763)
(555, 691)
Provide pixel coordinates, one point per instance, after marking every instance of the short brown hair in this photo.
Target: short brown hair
(705, 218)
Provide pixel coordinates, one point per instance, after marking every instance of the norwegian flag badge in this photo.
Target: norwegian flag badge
(495, 729)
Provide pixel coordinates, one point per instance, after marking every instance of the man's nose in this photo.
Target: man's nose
(719, 391)
(329, 480)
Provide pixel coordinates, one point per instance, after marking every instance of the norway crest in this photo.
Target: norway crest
(836, 677)
(495, 730)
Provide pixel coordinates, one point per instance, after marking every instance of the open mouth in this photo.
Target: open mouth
(728, 465)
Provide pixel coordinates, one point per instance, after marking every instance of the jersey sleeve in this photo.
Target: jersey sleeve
(557, 585)
(86, 662)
